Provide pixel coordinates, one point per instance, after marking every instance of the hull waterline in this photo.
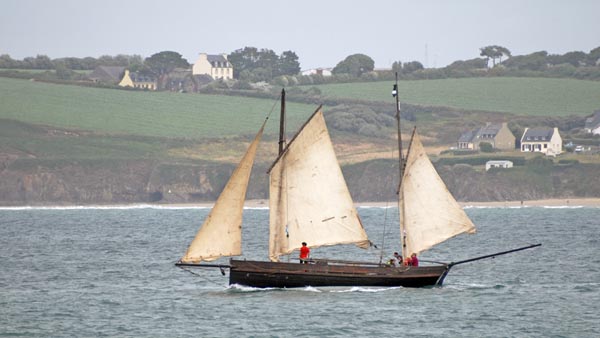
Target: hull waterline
(289, 275)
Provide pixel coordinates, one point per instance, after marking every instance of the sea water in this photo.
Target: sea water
(86, 272)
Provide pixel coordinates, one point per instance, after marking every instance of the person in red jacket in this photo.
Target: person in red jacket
(414, 261)
(304, 253)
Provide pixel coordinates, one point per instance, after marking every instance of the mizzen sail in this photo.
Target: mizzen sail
(429, 214)
(221, 233)
(309, 199)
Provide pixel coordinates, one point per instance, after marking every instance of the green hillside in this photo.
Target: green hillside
(162, 114)
(522, 96)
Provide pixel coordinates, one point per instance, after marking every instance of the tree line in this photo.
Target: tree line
(251, 64)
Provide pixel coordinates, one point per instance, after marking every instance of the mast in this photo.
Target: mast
(400, 158)
(400, 168)
(282, 123)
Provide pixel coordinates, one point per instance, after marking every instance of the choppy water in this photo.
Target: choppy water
(109, 272)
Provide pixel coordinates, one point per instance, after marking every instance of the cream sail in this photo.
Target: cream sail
(428, 213)
(221, 233)
(309, 198)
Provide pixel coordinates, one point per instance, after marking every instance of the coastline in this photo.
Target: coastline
(555, 202)
(264, 204)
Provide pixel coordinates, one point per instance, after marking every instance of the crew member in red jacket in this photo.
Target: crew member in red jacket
(414, 261)
(304, 253)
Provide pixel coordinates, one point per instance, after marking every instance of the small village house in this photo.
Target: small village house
(543, 140)
(135, 80)
(498, 164)
(498, 135)
(592, 123)
(107, 74)
(215, 66)
(317, 71)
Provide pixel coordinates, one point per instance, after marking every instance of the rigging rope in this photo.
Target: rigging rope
(202, 276)
(385, 220)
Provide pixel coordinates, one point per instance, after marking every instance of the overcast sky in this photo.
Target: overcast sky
(321, 32)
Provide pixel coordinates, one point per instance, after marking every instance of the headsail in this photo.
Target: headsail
(309, 199)
(221, 233)
(429, 214)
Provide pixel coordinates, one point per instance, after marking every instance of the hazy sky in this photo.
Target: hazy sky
(322, 33)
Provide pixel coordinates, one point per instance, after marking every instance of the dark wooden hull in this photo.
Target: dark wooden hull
(289, 275)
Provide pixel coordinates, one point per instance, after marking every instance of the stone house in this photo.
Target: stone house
(498, 135)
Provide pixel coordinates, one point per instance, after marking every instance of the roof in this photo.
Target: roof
(593, 121)
(487, 132)
(137, 77)
(107, 73)
(538, 134)
(216, 58)
(466, 136)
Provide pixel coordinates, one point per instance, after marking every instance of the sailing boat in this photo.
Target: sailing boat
(310, 202)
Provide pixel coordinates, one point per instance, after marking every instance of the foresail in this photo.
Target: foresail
(309, 199)
(221, 233)
(429, 214)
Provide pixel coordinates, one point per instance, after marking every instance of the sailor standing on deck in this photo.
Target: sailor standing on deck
(304, 253)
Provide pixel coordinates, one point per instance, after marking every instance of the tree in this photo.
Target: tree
(494, 52)
(355, 65)
(7, 62)
(165, 62)
(288, 64)
(574, 58)
(594, 57)
(412, 66)
(253, 64)
(535, 61)
(486, 147)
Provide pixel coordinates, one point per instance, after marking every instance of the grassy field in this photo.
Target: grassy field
(522, 96)
(161, 114)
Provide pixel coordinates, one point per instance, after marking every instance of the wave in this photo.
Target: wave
(367, 289)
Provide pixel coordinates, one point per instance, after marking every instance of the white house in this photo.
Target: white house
(318, 71)
(544, 140)
(592, 123)
(498, 164)
(215, 66)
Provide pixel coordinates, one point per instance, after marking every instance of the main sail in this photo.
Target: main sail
(428, 213)
(309, 199)
(221, 233)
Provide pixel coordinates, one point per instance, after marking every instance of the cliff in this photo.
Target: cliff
(32, 182)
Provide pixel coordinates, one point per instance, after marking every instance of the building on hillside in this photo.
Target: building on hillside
(107, 74)
(136, 80)
(592, 123)
(543, 140)
(498, 135)
(498, 164)
(215, 66)
(317, 71)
